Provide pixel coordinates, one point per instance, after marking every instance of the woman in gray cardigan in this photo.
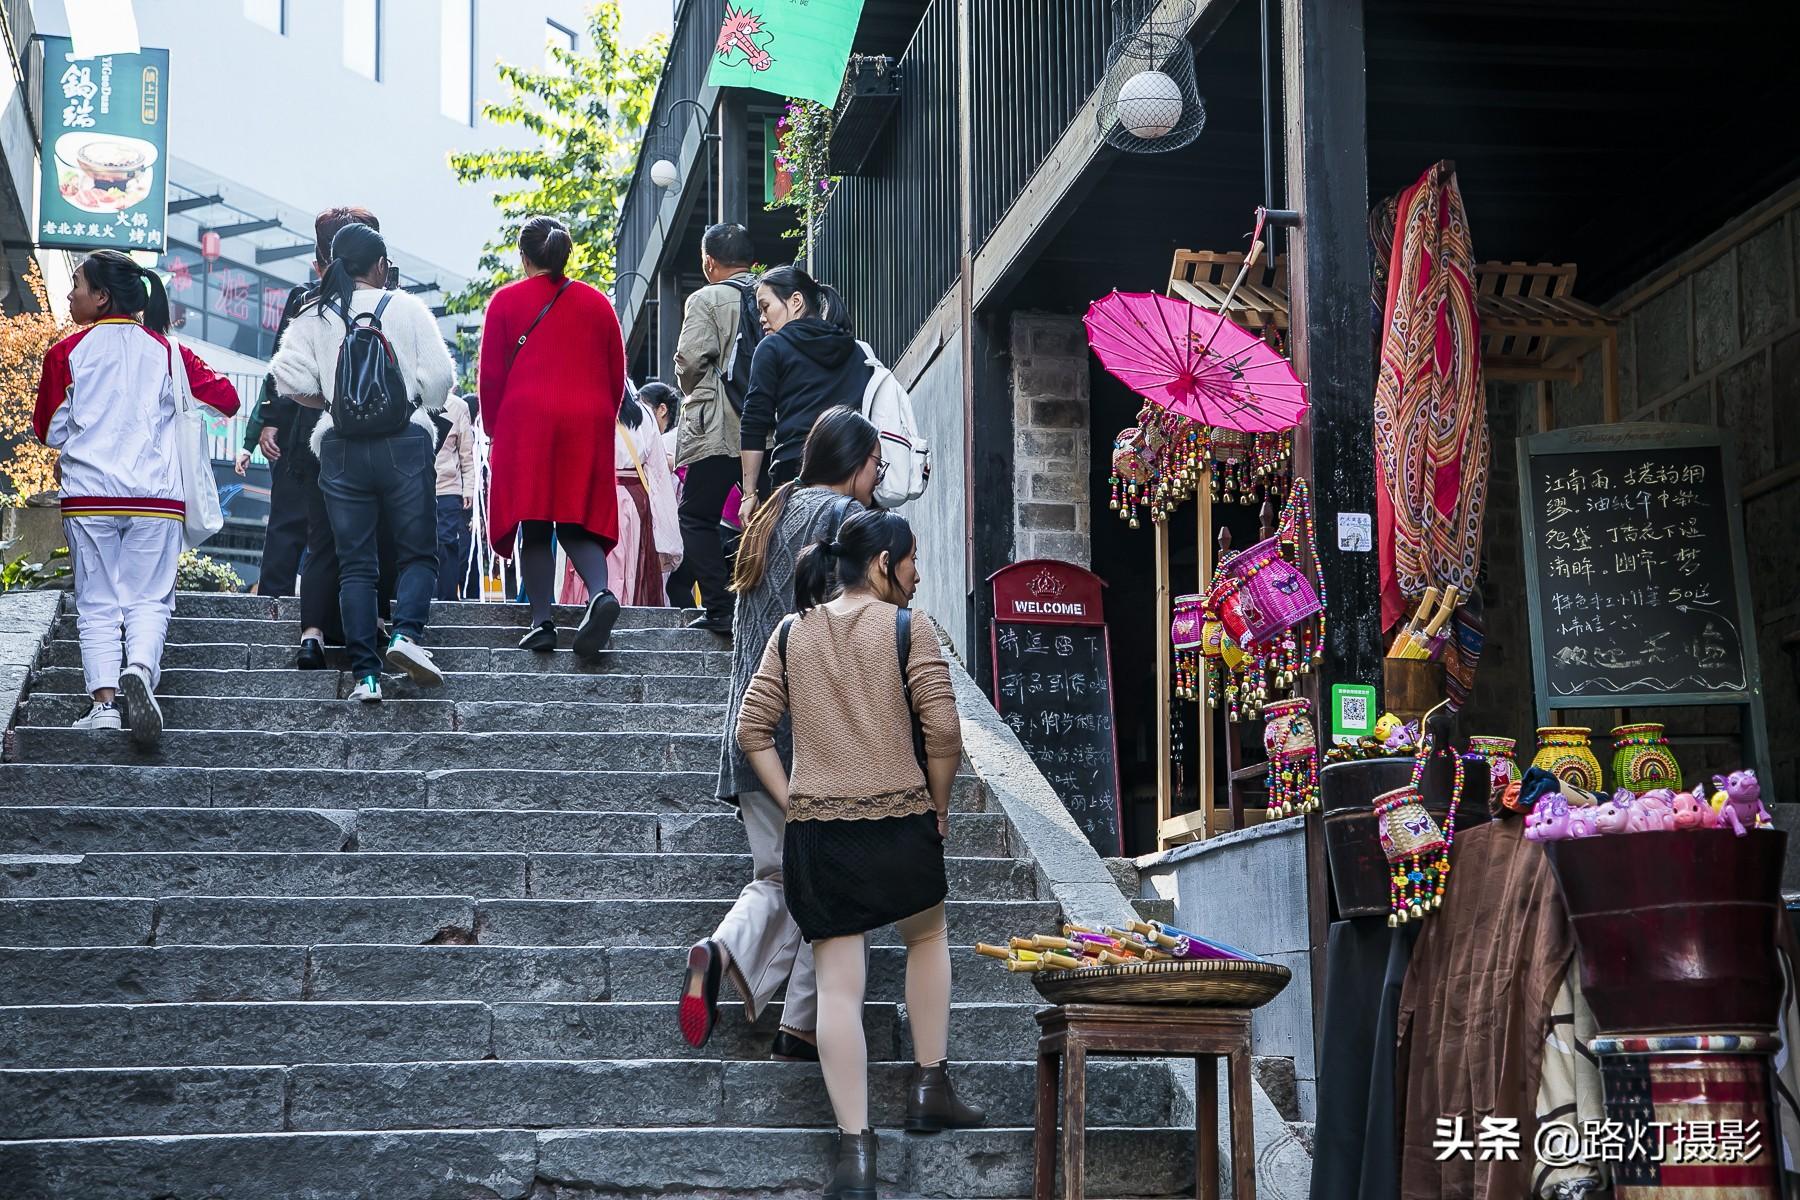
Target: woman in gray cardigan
(757, 945)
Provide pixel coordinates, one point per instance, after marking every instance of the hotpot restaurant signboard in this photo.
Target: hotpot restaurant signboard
(1053, 686)
(104, 155)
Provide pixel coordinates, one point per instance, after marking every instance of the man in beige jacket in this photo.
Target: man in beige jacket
(713, 375)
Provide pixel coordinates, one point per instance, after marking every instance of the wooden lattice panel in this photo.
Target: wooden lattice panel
(1204, 277)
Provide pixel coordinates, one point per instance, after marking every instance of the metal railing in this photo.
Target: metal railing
(683, 78)
(1034, 64)
(889, 240)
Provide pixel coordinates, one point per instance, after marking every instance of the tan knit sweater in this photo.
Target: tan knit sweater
(853, 752)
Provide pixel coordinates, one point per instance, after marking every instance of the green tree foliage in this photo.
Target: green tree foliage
(585, 116)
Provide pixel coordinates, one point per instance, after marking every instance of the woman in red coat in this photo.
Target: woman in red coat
(551, 376)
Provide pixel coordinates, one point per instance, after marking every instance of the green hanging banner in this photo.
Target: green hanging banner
(104, 147)
(789, 47)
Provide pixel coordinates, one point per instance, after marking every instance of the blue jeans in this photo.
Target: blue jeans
(452, 546)
(375, 486)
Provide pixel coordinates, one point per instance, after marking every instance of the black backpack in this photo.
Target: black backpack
(370, 399)
(735, 380)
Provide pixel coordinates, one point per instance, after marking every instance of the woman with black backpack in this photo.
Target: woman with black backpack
(375, 361)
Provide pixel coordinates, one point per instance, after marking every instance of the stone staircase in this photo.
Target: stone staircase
(430, 949)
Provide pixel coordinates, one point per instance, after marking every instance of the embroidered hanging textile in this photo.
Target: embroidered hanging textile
(1431, 435)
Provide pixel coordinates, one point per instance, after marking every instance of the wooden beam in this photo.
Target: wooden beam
(668, 322)
(1188, 827)
(1328, 280)
(939, 327)
(734, 157)
(1069, 171)
(1327, 154)
(1165, 690)
(1523, 373)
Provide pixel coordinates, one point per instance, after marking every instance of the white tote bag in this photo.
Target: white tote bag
(199, 488)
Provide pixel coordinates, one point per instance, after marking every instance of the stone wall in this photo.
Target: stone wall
(1712, 338)
(937, 516)
(1053, 508)
(1248, 889)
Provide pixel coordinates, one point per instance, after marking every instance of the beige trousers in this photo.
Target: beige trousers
(759, 933)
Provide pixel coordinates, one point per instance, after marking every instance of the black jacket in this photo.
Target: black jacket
(292, 422)
(799, 371)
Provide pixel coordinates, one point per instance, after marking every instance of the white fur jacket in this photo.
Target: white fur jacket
(306, 364)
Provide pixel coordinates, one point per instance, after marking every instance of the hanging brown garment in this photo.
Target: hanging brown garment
(1474, 1013)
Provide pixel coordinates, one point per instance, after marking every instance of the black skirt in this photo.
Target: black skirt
(848, 877)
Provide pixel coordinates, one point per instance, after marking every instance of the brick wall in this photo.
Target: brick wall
(1053, 509)
(1713, 338)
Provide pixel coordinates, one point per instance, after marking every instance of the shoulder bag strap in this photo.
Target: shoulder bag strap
(903, 643)
(381, 306)
(636, 458)
(542, 313)
(781, 639)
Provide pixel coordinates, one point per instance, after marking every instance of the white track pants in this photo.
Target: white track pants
(124, 584)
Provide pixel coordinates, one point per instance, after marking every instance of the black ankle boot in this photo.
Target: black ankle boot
(931, 1103)
(853, 1167)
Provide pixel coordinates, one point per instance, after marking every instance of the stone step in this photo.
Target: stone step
(729, 1163)
(546, 875)
(233, 656)
(235, 606)
(655, 791)
(121, 1102)
(69, 830)
(374, 751)
(206, 974)
(288, 684)
(237, 1033)
(250, 920)
(683, 922)
(188, 631)
(399, 715)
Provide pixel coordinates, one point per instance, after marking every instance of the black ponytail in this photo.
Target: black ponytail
(631, 409)
(130, 290)
(544, 242)
(355, 249)
(831, 565)
(819, 300)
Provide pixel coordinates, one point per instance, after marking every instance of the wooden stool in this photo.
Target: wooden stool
(1071, 1032)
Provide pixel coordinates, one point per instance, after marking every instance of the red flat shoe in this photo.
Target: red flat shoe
(699, 1007)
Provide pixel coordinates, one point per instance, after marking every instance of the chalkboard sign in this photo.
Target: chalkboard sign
(1635, 568)
(1053, 686)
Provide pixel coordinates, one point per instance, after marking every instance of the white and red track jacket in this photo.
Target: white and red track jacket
(106, 399)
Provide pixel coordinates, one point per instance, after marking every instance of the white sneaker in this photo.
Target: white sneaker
(404, 654)
(146, 719)
(367, 690)
(101, 716)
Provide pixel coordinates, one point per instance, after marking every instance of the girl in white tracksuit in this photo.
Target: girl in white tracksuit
(106, 400)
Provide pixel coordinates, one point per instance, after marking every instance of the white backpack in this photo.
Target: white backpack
(903, 447)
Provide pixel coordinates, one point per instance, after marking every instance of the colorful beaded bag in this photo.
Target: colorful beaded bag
(1418, 852)
(1270, 601)
(1291, 742)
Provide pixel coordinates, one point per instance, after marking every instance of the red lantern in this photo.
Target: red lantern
(209, 245)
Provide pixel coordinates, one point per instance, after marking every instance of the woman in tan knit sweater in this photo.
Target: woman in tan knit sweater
(876, 746)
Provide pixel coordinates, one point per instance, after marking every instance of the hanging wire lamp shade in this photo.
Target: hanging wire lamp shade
(1149, 99)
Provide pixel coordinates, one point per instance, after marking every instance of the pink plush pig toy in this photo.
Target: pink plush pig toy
(1610, 818)
(1653, 812)
(1691, 812)
(1548, 820)
(1743, 808)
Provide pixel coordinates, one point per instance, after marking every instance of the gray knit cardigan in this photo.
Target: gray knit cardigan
(810, 514)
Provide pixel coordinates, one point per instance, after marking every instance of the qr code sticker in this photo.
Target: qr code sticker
(1353, 711)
